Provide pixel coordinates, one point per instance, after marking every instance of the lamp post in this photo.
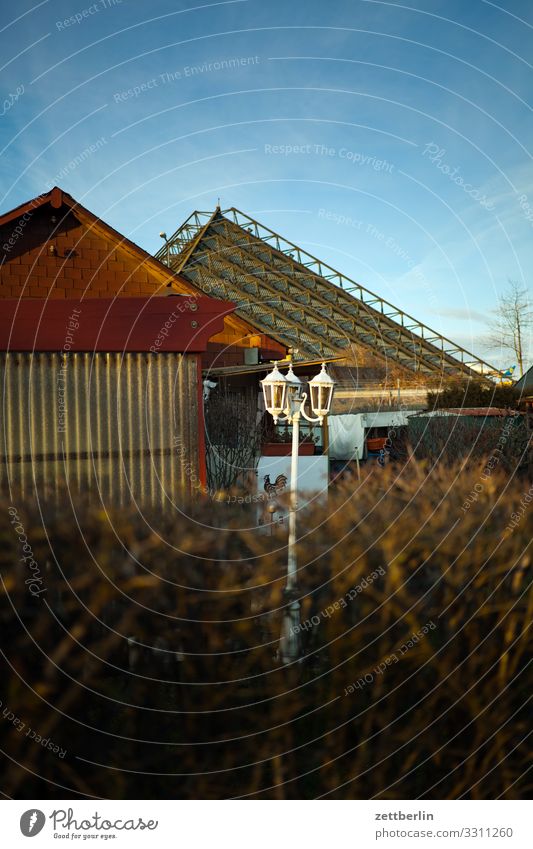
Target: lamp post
(285, 401)
(164, 236)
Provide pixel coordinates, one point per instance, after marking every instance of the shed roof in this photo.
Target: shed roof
(525, 384)
(111, 324)
(476, 412)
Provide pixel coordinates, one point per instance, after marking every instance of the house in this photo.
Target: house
(72, 290)
(53, 247)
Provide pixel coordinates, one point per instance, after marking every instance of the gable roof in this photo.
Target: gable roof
(57, 198)
(302, 301)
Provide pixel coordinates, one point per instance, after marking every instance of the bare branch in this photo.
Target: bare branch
(510, 327)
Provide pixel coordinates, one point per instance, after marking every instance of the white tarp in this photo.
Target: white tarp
(347, 431)
(388, 418)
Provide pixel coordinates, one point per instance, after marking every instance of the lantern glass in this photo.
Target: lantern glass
(275, 392)
(321, 390)
(294, 385)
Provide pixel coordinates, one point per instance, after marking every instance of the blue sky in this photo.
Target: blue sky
(391, 140)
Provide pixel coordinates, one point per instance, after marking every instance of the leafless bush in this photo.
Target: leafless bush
(232, 436)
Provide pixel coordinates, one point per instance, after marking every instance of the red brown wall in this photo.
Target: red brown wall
(98, 267)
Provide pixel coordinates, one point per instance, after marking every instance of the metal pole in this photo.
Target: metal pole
(292, 567)
(289, 641)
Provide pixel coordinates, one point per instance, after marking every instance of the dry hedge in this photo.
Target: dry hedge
(150, 656)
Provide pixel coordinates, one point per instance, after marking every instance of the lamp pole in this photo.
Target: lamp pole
(283, 395)
(289, 641)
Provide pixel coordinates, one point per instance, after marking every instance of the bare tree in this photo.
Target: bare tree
(232, 436)
(513, 319)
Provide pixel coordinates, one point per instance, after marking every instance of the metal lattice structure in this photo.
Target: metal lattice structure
(302, 302)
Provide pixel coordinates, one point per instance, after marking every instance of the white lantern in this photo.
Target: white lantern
(275, 392)
(321, 389)
(294, 385)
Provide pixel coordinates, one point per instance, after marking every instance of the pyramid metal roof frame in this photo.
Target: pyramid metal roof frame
(302, 301)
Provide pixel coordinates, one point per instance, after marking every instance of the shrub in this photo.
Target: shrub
(448, 438)
(472, 393)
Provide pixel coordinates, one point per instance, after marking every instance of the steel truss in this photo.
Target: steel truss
(301, 301)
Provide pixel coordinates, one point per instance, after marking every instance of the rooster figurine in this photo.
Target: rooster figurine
(279, 484)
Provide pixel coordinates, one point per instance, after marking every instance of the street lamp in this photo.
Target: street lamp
(321, 389)
(164, 236)
(275, 393)
(283, 394)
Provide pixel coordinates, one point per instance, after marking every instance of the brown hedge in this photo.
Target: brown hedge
(150, 659)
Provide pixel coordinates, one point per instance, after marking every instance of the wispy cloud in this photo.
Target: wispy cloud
(461, 314)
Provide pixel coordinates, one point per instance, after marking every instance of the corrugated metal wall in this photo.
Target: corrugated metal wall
(124, 425)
